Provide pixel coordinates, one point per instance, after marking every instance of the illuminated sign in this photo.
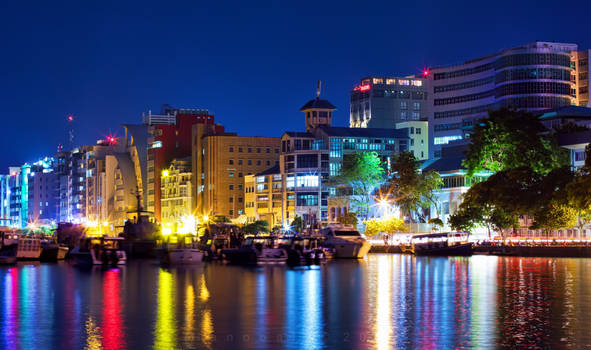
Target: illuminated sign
(365, 87)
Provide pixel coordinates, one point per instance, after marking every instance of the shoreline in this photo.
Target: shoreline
(517, 251)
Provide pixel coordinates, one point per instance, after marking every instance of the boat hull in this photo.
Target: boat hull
(90, 259)
(351, 250)
(54, 253)
(183, 257)
(464, 249)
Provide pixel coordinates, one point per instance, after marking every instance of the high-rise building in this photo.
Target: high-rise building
(18, 196)
(5, 200)
(220, 163)
(381, 102)
(171, 132)
(309, 159)
(582, 62)
(532, 77)
(42, 193)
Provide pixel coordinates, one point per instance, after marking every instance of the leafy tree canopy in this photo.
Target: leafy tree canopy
(412, 189)
(386, 225)
(349, 218)
(510, 139)
(255, 227)
(362, 173)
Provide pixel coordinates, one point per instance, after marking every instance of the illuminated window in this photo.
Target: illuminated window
(444, 140)
(403, 82)
(403, 115)
(391, 81)
(417, 83)
(403, 105)
(260, 179)
(378, 80)
(289, 182)
(307, 181)
(416, 106)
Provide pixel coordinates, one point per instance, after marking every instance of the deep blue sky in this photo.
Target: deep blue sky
(251, 63)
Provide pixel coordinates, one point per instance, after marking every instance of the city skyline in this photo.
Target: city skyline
(226, 60)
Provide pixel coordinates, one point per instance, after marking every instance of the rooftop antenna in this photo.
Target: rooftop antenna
(71, 131)
(318, 86)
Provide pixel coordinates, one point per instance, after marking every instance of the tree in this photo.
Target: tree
(554, 216)
(220, 219)
(579, 193)
(509, 139)
(386, 225)
(361, 174)
(255, 227)
(298, 224)
(413, 190)
(349, 218)
(437, 223)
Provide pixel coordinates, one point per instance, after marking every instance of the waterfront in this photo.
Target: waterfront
(385, 301)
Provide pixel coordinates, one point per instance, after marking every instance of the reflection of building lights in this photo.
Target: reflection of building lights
(165, 330)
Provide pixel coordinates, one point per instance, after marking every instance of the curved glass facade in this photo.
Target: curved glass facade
(530, 59)
(532, 74)
(537, 87)
(535, 102)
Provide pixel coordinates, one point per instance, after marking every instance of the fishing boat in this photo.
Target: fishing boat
(442, 244)
(256, 250)
(346, 241)
(99, 251)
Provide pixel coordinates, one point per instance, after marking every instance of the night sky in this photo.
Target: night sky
(253, 64)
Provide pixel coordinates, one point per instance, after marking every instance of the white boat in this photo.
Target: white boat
(257, 250)
(182, 256)
(99, 251)
(28, 248)
(346, 241)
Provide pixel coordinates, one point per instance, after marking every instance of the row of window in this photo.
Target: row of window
(462, 72)
(534, 88)
(527, 59)
(464, 85)
(249, 149)
(249, 162)
(536, 102)
(463, 111)
(533, 73)
(400, 94)
(464, 98)
(448, 126)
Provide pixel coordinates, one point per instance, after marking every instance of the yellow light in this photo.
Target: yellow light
(165, 173)
(187, 225)
(205, 218)
(166, 230)
(105, 223)
(91, 224)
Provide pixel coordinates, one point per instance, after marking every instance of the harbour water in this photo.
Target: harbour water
(385, 301)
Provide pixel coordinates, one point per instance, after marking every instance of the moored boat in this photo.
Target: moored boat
(53, 251)
(256, 250)
(346, 241)
(442, 244)
(28, 248)
(99, 251)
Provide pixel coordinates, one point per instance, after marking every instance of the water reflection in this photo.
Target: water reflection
(165, 330)
(387, 301)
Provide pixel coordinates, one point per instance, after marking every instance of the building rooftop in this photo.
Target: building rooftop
(299, 134)
(272, 170)
(364, 132)
(318, 103)
(445, 164)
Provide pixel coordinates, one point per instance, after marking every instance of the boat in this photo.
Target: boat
(52, 251)
(181, 250)
(305, 250)
(99, 251)
(442, 244)
(256, 250)
(346, 241)
(28, 248)
(8, 255)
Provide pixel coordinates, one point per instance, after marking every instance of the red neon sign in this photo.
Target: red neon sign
(365, 87)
